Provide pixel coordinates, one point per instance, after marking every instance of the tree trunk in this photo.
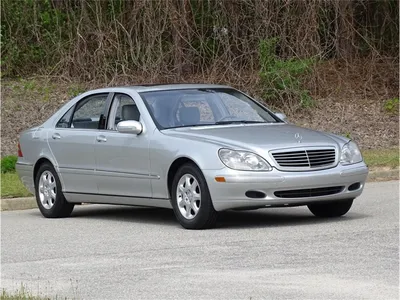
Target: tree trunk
(345, 32)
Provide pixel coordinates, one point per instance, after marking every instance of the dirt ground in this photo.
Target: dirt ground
(352, 104)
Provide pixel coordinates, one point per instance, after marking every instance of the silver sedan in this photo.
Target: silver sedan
(198, 149)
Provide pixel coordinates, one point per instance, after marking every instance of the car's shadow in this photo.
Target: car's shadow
(273, 217)
(270, 217)
(126, 213)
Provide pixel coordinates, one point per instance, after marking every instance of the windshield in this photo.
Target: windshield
(202, 107)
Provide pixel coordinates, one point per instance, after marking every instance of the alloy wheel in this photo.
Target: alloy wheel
(47, 189)
(188, 196)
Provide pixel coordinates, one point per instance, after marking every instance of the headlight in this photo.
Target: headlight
(243, 160)
(350, 154)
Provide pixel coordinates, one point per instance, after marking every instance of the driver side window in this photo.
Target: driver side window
(123, 109)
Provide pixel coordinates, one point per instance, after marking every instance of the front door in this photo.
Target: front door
(122, 159)
(72, 142)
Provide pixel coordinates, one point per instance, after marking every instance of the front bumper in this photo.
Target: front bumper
(231, 193)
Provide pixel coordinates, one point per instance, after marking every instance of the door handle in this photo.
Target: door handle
(56, 136)
(101, 139)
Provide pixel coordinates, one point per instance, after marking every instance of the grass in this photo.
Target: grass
(382, 158)
(20, 295)
(11, 187)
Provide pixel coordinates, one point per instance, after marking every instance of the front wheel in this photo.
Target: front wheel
(191, 199)
(49, 196)
(331, 209)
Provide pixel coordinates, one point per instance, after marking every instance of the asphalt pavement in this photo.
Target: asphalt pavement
(116, 252)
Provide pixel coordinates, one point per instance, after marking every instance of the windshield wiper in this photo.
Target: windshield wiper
(238, 122)
(217, 123)
(191, 125)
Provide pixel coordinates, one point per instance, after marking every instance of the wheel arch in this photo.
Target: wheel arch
(40, 162)
(176, 164)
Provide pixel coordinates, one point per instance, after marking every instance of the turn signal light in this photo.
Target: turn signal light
(220, 179)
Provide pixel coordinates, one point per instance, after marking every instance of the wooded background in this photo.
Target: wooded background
(329, 65)
(92, 39)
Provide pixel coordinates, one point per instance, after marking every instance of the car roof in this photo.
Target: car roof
(163, 87)
(175, 86)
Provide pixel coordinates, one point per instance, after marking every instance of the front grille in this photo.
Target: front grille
(307, 158)
(305, 193)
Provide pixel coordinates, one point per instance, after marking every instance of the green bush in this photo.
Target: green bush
(8, 163)
(392, 105)
(280, 78)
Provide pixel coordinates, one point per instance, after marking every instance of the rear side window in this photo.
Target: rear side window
(86, 114)
(64, 121)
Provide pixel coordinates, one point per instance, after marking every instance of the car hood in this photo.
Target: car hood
(256, 136)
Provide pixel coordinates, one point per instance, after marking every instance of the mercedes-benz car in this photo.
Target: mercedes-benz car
(195, 148)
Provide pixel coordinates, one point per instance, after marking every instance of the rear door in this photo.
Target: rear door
(122, 159)
(72, 143)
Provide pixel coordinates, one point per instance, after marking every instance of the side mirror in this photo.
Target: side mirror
(130, 126)
(281, 116)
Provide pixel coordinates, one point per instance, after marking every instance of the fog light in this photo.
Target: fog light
(255, 194)
(354, 186)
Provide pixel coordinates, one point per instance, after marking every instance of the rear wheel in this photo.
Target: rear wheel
(49, 196)
(191, 199)
(331, 209)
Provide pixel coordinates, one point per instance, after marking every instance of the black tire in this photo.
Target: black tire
(60, 207)
(331, 209)
(206, 216)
